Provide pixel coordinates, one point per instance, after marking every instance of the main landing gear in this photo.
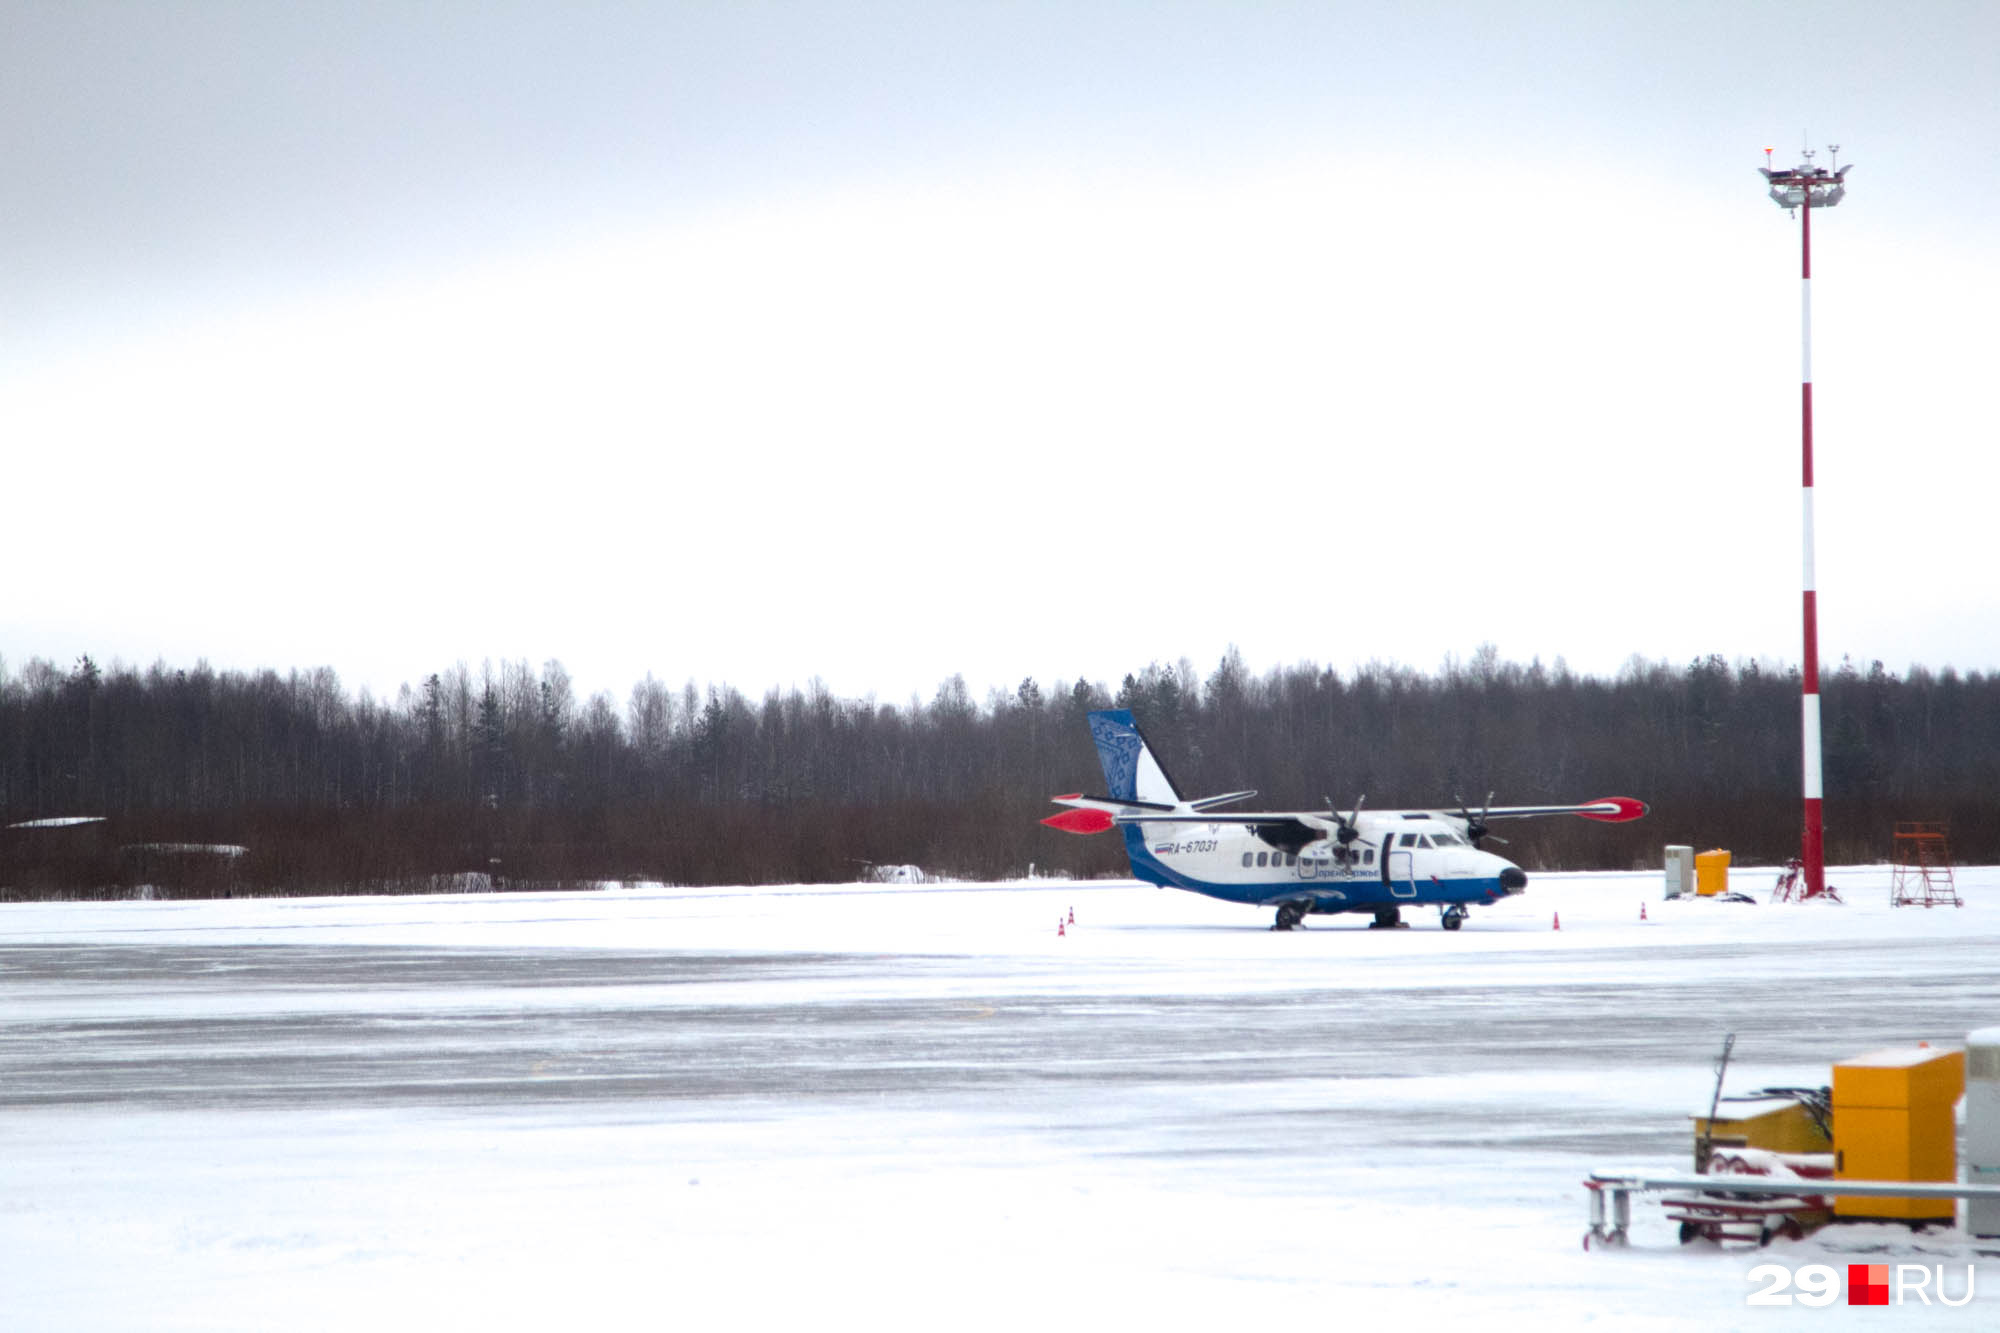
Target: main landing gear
(1289, 916)
(1387, 918)
(1453, 916)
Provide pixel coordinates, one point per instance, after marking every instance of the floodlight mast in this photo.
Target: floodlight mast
(1801, 190)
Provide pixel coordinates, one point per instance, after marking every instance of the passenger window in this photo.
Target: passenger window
(1246, 858)
(1290, 859)
(1368, 857)
(1260, 857)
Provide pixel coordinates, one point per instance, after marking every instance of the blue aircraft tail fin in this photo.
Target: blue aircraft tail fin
(1131, 771)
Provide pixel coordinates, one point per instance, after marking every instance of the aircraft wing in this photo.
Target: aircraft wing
(1293, 829)
(1609, 809)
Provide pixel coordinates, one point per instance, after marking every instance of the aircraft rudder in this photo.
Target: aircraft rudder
(1118, 746)
(1131, 771)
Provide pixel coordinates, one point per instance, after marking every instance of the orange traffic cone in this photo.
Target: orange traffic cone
(1642, 911)
(1072, 916)
(1558, 922)
(1059, 927)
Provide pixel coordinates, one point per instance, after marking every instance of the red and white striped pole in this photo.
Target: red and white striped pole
(1801, 189)
(1812, 851)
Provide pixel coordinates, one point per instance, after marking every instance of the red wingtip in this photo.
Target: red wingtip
(1081, 821)
(1627, 809)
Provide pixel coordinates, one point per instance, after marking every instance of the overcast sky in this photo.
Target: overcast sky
(880, 341)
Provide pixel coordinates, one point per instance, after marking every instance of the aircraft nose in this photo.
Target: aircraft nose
(1513, 879)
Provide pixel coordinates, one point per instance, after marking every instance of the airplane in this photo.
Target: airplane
(1301, 862)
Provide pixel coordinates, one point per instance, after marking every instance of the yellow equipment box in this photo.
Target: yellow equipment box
(1892, 1120)
(1711, 873)
(1773, 1124)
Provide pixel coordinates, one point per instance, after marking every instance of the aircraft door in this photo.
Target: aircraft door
(1402, 873)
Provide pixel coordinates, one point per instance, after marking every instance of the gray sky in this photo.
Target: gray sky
(879, 341)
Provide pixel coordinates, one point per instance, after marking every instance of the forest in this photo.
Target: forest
(210, 782)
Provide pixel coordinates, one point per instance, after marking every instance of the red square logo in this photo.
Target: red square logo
(1868, 1284)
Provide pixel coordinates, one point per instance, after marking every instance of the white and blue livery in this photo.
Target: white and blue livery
(1300, 862)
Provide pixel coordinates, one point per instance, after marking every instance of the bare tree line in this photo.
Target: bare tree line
(505, 772)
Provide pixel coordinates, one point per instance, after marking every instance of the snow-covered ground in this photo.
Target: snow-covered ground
(913, 1106)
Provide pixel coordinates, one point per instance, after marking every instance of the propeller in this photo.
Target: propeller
(1475, 829)
(1345, 830)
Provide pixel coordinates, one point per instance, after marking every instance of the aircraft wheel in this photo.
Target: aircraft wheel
(1387, 918)
(1289, 916)
(1452, 920)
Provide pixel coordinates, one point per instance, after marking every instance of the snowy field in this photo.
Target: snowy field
(918, 1107)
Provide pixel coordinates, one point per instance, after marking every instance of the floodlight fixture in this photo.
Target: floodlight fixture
(1808, 186)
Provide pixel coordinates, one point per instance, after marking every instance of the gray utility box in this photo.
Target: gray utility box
(1982, 1128)
(1680, 871)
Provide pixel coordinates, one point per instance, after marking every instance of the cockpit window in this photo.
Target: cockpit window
(1423, 841)
(1408, 840)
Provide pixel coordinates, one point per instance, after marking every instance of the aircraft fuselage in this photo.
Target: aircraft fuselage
(1398, 859)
